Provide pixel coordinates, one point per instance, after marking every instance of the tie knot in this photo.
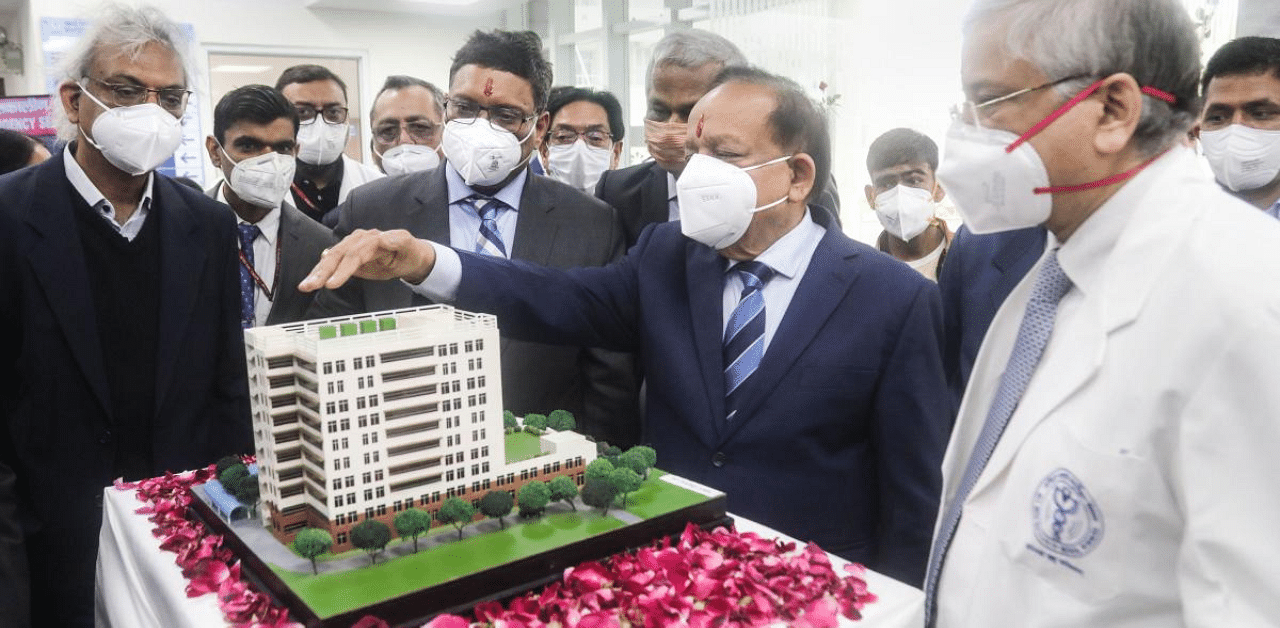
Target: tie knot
(1051, 283)
(248, 233)
(754, 274)
(487, 207)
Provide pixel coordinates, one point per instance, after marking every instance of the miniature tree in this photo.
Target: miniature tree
(509, 421)
(533, 498)
(649, 455)
(232, 474)
(561, 420)
(457, 512)
(312, 543)
(535, 421)
(599, 494)
(634, 460)
(413, 522)
(245, 488)
(371, 536)
(226, 462)
(598, 469)
(624, 481)
(496, 505)
(563, 489)
(611, 454)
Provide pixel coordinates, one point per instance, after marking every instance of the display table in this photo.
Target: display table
(141, 586)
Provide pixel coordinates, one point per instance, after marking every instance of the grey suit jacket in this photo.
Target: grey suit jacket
(302, 240)
(557, 226)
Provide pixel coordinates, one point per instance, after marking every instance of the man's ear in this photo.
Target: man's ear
(1122, 104)
(617, 155)
(69, 92)
(215, 155)
(803, 172)
(938, 192)
(871, 195)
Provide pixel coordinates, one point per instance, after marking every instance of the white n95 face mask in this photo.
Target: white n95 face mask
(994, 190)
(321, 143)
(905, 212)
(406, 158)
(262, 180)
(481, 152)
(1242, 157)
(717, 200)
(578, 164)
(136, 138)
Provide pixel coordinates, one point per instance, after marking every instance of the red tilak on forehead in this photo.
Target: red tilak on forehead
(488, 87)
(698, 132)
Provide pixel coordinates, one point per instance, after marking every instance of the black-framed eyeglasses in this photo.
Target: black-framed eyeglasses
(563, 136)
(970, 112)
(171, 99)
(419, 131)
(332, 114)
(466, 112)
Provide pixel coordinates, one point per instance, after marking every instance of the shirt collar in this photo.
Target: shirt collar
(789, 255)
(509, 194)
(1083, 256)
(95, 199)
(671, 187)
(1274, 210)
(269, 225)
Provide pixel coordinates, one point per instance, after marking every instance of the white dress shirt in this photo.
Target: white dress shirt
(464, 222)
(264, 258)
(99, 203)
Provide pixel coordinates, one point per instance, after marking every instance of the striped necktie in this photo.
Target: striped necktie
(248, 233)
(489, 240)
(744, 335)
(1033, 335)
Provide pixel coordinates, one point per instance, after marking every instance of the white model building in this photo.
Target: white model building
(363, 416)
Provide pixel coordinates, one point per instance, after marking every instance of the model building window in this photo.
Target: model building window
(334, 445)
(337, 500)
(340, 386)
(360, 403)
(453, 349)
(480, 381)
(351, 481)
(375, 456)
(468, 346)
(357, 363)
(367, 477)
(337, 483)
(328, 368)
(343, 406)
(482, 433)
(345, 423)
(368, 494)
(340, 366)
(330, 407)
(373, 419)
(373, 400)
(333, 426)
(340, 519)
(342, 538)
(368, 513)
(377, 475)
(382, 509)
(381, 492)
(484, 398)
(365, 439)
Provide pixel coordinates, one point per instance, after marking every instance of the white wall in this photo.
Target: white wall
(393, 43)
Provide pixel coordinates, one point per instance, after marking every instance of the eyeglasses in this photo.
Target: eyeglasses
(418, 131)
(171, 99)
(564, 136)
(466, 112)
(972, 113)
(333, 114)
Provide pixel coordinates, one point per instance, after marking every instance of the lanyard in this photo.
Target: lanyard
(303, 195)
(275, 281)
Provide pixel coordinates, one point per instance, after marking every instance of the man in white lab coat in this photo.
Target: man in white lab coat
(1114, 460)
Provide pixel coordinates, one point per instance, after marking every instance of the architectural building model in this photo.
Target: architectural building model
(361, 417)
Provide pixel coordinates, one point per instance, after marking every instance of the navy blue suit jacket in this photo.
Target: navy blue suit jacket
(56, 426)
(842, 428)
(980, 272)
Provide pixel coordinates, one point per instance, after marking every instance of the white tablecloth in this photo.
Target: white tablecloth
(140, 586)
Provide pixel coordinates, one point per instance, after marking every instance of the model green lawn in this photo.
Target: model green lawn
(522, 446)
(331, 594)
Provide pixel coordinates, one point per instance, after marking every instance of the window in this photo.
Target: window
(360, 403)
(328, 368)
(330, 388)
(345, 424)
(340, 386)
(342, 538)
(345, 444)
(368, 494)
(365, 439)
(373, 419)
(342, 405)
(375, 456)
(396, 506)
(480, 381)
(382, 509)
(373, 401)
(484, 451)
(484, 467)
(360, 383)
(484, 398)
(368, 512)
(333, 426)
(367, 477)
(475, 469)
(340, 366)
(330, 408)
(337, 483)
(362, 421)
(366, 458)
(448, 476)
(351, 481)
(337, 500)
(377, 475)
(468, 346)
(475, 435)
(479, 344)
(482, 430)
(381, 492)
(334, 444)
(357, 363)
(471, 383)
(340, 519)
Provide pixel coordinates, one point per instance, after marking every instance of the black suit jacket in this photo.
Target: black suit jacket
(640, 195)
(302, 241)
(55, 405)
(557, 226)
(980, 272)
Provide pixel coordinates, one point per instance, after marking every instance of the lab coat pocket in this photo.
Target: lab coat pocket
(1069, 523)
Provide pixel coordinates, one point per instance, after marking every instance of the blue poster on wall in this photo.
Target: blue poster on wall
(58, 36)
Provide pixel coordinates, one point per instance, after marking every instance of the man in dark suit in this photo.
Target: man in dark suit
(120, 350)
(253, 144)
(981, 270)
(485, 199)
(825, 414)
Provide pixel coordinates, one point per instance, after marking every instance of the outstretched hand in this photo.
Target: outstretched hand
(372, 254)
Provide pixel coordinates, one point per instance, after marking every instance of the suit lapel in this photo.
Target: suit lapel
(535, 228)
(182, 259)
(704, 272)
(821, 290)
(654, 197)
(1006, 259)
(58, 263)
(428, 217)
(291, 271)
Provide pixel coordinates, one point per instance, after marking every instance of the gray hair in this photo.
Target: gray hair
(120, 30)
(1151, 40)
(693, 48)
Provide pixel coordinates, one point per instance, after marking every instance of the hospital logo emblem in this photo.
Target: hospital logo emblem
(1066, 519)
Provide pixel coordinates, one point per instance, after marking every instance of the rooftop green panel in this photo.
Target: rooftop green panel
(348, 329)
(386, 324)
(328, 331)
(368, 326)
